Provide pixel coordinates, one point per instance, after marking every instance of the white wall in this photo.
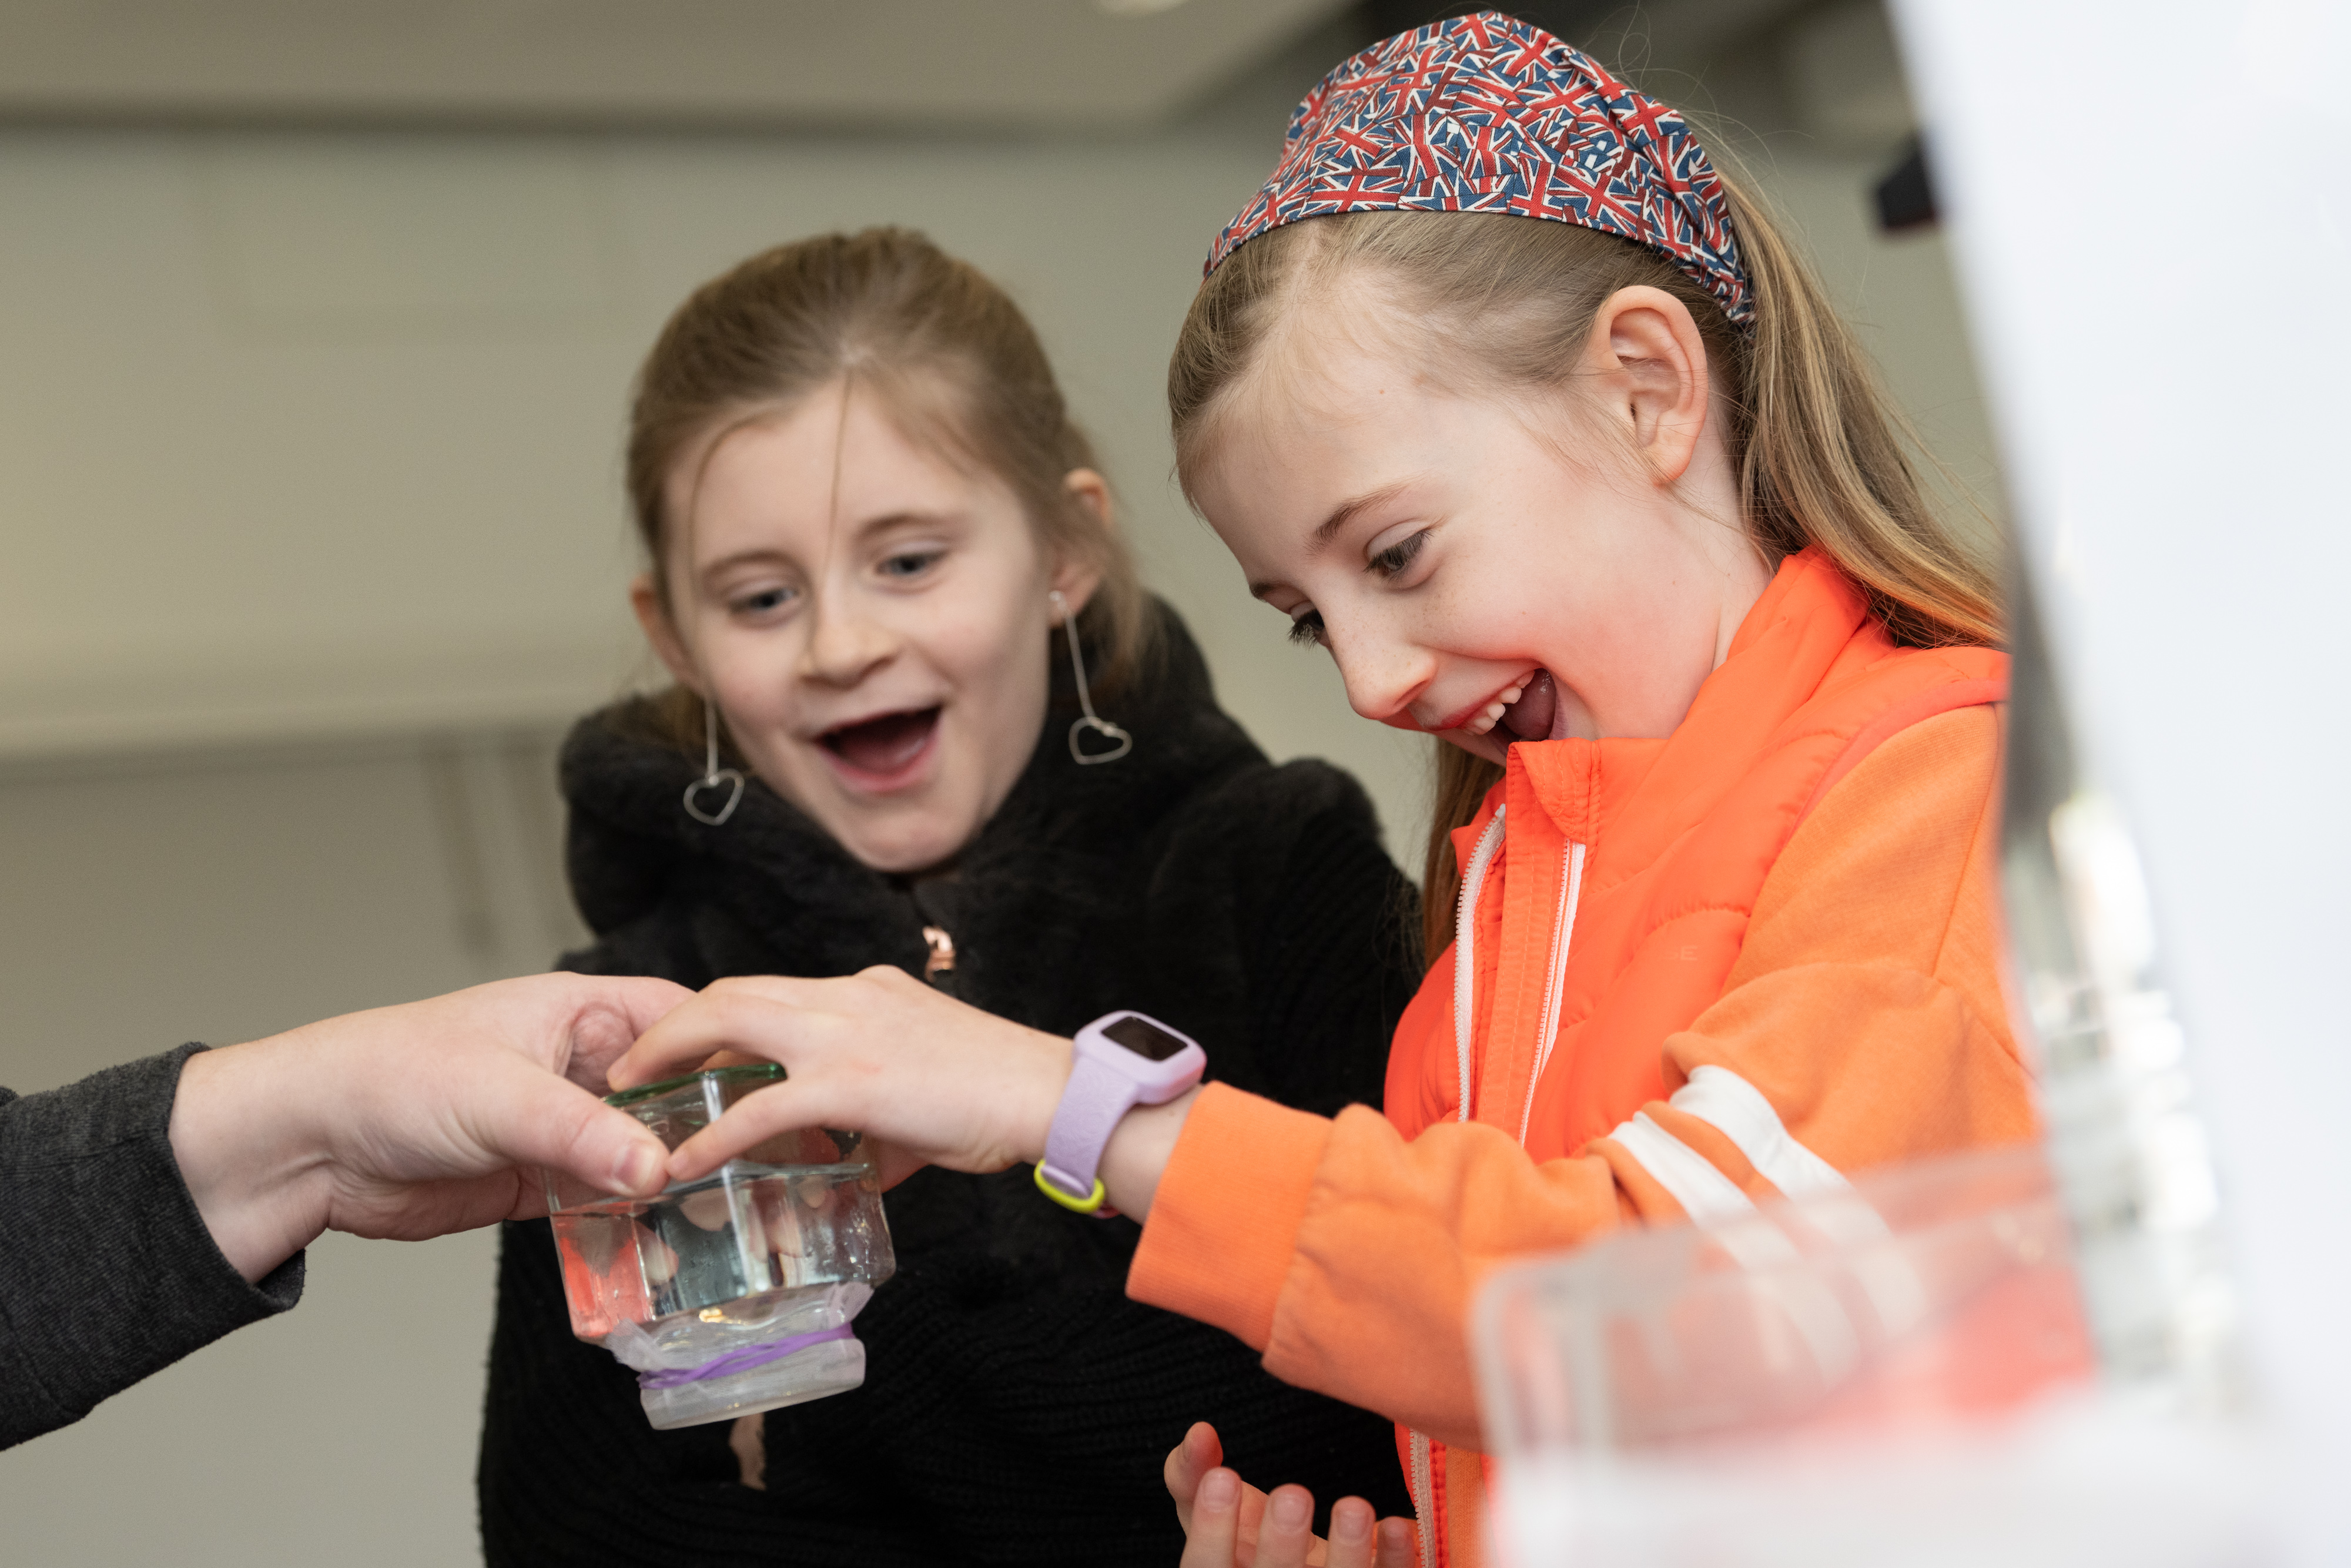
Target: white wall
(316, 434)
(307, 455)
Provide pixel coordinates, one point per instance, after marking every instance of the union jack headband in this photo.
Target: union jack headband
(1489, 114)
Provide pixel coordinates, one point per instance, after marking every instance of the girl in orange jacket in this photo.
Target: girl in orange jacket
(1505, 398)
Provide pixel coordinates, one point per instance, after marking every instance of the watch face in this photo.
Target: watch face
(1145, 1039)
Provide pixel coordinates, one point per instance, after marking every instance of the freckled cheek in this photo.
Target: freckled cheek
(1463, 616)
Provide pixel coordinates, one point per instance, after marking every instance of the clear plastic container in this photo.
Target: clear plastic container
(732, 1294)
(1894, 1376)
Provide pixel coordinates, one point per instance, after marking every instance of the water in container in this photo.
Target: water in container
(731, 1294)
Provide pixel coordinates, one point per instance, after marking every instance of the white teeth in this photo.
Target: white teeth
(1484, 722)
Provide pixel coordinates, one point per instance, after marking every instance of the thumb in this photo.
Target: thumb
(541, 1120)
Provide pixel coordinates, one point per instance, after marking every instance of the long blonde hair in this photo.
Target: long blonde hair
(1502, 303)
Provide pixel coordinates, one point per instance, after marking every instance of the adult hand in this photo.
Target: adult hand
(414, 1121)
(1228, 1523)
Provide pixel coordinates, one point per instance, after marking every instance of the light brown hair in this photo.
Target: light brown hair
(1498, 303)
(953, 360)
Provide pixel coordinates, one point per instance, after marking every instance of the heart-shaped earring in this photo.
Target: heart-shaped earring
(726, 776)
(1125, 742)
(1093, 720)
(712, 776)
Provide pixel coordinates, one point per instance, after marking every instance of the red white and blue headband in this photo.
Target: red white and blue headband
(1489, 114)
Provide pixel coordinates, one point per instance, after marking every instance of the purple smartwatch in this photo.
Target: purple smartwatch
(1122, 1060)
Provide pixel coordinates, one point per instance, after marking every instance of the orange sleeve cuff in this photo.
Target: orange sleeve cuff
(1224, 1222)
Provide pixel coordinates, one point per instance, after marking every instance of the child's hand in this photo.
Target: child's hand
(932, 1080)
(1231, 1524)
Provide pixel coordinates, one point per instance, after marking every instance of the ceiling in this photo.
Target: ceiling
(900, 63)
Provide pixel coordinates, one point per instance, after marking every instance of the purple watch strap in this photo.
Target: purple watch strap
(1096, 1098)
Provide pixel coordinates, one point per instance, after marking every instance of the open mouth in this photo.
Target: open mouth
(1531, 714)
(883, 747)
(1527, 711)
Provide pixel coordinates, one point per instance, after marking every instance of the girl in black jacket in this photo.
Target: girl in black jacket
(882, 572)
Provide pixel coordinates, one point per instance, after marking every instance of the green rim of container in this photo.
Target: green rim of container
(762, 1072)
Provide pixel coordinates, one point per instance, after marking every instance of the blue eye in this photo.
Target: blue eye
(1306, 630)
(1397, 557)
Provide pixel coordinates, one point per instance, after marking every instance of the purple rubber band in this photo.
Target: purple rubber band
(735, 1361)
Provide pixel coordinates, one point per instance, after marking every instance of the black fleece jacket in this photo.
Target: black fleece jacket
(1016, 1408)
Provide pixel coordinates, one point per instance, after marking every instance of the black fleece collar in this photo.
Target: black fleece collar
(631, 840)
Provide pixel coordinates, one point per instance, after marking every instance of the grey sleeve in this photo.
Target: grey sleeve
(110, 1274)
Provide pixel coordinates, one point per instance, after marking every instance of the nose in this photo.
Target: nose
(1382, 674)
(845, 643)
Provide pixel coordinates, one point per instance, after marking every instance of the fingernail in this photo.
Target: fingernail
(1291, 1510)
(640, 1169)
(1350, 1521)
(1219, 1490)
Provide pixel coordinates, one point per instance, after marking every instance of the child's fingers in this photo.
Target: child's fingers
(878, 1052)
(1252, 1522)
(1215, 1526)
(1353, 1534)
(757, 1116)
(1399, 1544)
(756, 1018)
(1285, 1536)
(1187, 1461)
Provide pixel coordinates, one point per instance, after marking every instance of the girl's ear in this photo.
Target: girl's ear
(652, 615)
(1075, 573)
(1647, 363)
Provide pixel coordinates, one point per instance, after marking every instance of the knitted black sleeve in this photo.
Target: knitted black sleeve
(112, 1274)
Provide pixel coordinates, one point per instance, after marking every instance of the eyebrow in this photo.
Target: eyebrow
(1340, 515)
(742, 557)
(862, 531)
(908, 517)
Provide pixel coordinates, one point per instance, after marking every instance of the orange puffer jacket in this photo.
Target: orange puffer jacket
(1687, 973)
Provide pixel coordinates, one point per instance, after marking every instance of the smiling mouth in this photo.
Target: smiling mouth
(884, 744)
(1528, 711)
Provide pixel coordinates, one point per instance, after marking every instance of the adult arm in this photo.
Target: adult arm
(111, 1273)
(153, 1207)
